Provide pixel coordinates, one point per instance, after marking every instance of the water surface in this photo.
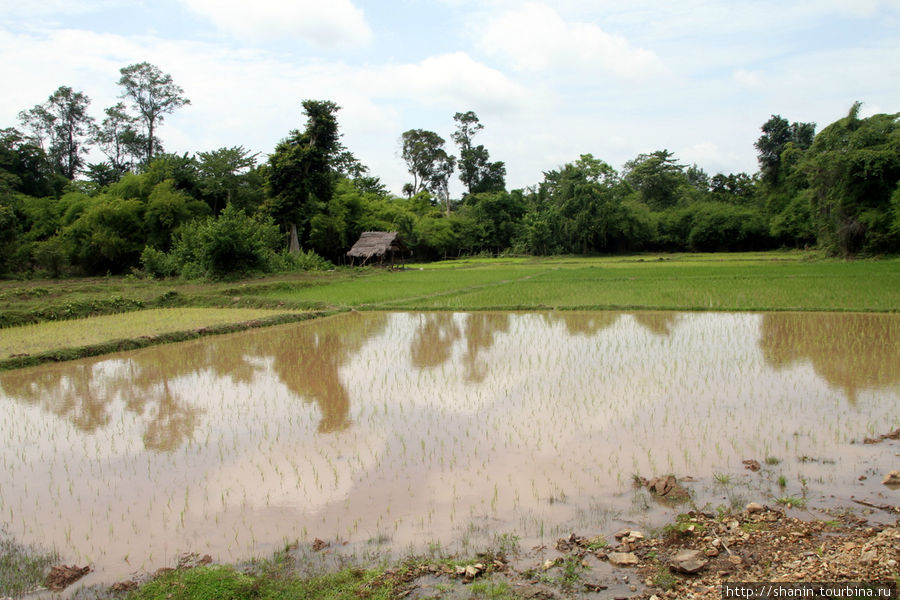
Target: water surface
(408, 429)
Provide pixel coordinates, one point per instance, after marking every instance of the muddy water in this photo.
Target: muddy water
(399, 430)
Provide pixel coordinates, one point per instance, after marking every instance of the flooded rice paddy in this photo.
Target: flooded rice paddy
(398, 431)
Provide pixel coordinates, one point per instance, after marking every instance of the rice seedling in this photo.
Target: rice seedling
(348, 426)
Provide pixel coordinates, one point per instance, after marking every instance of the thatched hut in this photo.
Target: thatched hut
(380, 244)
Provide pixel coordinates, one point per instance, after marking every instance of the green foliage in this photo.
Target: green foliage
(777, 135)
(722, 227)
(227, 245)
(428, 163)
(107, 236)
(301, 261)
(222, 175)
(656, 178)
(22, 568)
(153, 95)
(853, 168)
(167, 209)
(301, 172)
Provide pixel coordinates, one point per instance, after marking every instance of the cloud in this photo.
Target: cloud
(31, 10)
(535, 38)
(454, 80)
(747, 79)
(331, 24)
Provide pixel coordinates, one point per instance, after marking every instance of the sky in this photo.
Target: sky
(549, 81)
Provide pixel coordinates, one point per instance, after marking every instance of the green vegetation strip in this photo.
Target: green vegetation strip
(59, 341)
(757, 282)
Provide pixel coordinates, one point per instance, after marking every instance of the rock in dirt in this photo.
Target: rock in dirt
(892, 479)
(319, 544)
(755, 507)
(751, 464)
(623, 559)
(124, 586)
(63, 576)
(688, 561)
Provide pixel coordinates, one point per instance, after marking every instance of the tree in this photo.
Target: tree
(24, 167)
(63, 121)
(153, 94)
(428, 163)
(476, 171)
(119, 140)
(656, 177)
(220, 174)
(853, 170)
(777, 133)
(301, 170)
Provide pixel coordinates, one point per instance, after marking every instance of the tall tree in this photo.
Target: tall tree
(853, 168)
(301, 170)
(154, 95)
(428, 163)
(63, 121)
(119, 140)
(476, 171)
(220, 174)
(656, 177)
(777, 132)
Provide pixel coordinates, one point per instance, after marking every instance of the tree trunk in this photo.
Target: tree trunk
(295, 242)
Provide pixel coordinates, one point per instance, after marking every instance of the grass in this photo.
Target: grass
(792, 501)
(770, 281)
(22, 568)
(42, 337)
(227, 583)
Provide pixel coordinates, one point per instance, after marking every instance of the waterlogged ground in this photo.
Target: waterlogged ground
(392, 431)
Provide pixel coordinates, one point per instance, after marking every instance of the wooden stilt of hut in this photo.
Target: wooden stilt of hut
(378, 243)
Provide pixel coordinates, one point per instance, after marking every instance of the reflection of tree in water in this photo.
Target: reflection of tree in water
(851, 351)
(480, 330)
(659, 323)
(433, 341)
(583, 323)
(306, 356)
(83, 392)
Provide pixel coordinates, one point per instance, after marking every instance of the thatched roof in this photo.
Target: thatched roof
(377, 243)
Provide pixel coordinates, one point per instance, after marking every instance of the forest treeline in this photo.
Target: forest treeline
(227, 210)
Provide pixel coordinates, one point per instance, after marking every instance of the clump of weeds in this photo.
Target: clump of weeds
(22, 568)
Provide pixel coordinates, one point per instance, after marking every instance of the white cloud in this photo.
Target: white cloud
(747, 79)
(454, 81)
(18, 9)
(536, 38)
(331, 24)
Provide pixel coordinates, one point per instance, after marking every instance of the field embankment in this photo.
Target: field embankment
(772, 281)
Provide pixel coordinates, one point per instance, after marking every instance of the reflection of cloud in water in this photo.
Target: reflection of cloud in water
(86, 393)
(357, 419)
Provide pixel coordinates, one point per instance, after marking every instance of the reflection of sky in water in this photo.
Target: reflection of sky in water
(413, 425)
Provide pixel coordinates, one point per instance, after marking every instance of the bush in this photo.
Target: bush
(157, 263)
(301, 261)
(231, 244)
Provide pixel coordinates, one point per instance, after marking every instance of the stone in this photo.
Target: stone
(892, 479)
(755, 507)
(623, 559)
(688, 561)
(621, 533)
(868, 557)
(711, 552)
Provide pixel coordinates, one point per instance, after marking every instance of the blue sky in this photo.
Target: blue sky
(549, 80)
